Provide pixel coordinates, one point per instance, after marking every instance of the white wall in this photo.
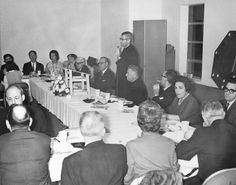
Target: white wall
(71, 26)
(114, 17)
(219, 19)
(144, 10)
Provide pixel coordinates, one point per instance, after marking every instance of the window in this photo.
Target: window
(195, 40)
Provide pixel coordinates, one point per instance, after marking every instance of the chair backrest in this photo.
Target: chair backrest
(222, 177)
(83, 78)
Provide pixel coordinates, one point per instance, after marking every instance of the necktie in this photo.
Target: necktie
(226, 105)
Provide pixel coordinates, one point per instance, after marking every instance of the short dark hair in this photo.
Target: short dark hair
(55, 52)
(185, 80)
(149, 116)
(129, 34)
(106, 59)
(136, 69)
(16, 121)
(32, 51)
(8, 55)
(72, 56)
(170, 75)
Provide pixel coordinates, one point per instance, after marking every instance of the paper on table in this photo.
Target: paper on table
(187, 166)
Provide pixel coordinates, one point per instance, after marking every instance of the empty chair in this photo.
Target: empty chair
(226, 177)
(82, 80)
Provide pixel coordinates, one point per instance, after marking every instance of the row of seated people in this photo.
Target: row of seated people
(151, 155)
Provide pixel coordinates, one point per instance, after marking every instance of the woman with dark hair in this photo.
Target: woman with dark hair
(151, 151)
(12, 74)
(54, 67)
(184, 107)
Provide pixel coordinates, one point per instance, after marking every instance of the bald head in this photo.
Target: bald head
(14, 95)
(18, 117)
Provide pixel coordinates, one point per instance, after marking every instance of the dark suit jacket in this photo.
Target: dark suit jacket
(105, 82)
(230, 113)
(27, 68)
(136, 92)
(215, 147)
(24, 157)
(40, 121)
(98, 163)
(165, 97)
(128, 56)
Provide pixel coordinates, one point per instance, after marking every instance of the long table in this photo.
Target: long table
(122, 125)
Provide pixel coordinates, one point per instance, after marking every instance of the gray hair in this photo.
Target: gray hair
(91, 123)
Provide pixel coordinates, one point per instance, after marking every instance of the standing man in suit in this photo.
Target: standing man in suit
(126, 54)
(98, 163)
(105, 79)
(32, 67)
(24, 153)
(229, 103)
(214, 144)
(165, 91)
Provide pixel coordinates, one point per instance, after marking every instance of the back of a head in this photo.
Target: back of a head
(162, 177)
(18, 116)
(171, 75)
(149, 116)
(135, 69)
(91, 124)
(213, 109)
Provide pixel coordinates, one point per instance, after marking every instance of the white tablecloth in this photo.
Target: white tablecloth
(123, 126)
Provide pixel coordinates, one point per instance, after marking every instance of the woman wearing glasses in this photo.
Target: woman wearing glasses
(184, 107)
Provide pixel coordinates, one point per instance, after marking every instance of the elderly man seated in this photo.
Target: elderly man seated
(98, 163)
(80, 65)
(151, 151)
(105, 78)
(136, 90)
(24, 153)
(214, 144)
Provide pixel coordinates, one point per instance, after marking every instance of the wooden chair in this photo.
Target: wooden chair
(226, 177)
(80, 77)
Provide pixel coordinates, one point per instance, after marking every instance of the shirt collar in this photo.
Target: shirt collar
(230, 103)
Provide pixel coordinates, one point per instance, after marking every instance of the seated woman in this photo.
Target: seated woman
(151, 151)
(12, 74)
(184, 107)
(54, 67)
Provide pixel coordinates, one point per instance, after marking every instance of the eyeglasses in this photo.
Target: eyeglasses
(123, 39)
(163, 76)
(231, 91)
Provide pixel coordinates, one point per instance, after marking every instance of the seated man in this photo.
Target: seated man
(214, 144)
(165, 91)
(105, 79)
(151, 151)
(98, 163)
(229, 103)
(24, 153)
(32, 67)
(14, 95)
(80, 65)
(136, 90)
